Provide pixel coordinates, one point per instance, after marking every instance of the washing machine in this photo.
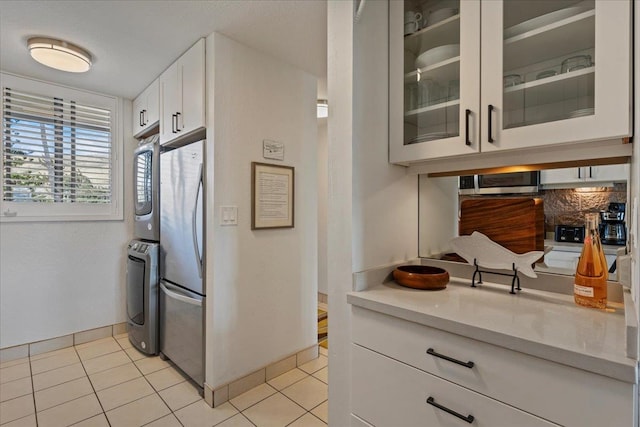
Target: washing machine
(142, 295)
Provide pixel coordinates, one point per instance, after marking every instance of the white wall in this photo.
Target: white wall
(373, 206)
(385, 198)
(262, 284)
(339, 204)
(323, 188)
(57, 278)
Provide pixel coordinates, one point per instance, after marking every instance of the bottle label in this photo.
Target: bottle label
(583, 291)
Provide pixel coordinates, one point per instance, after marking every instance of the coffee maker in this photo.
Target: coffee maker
(612, 226)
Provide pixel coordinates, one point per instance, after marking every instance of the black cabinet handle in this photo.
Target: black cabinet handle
(466, 127)
(140, 119)
(579, 177)
(173, 123)
(177, 123)
(468, 364)
(144, 117)
(468, 418)
(490, 117)
(590, 172)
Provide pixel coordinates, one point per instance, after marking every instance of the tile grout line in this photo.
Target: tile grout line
(135, 400)
(308, 375)
(55, 385)
(254, 404)
(295, 382)
(52, 369)
(247, 418)
(297, 418)
(92, 388)
(152, 387)
(73, 379)
(33, 390)
(317, 417)
(75, 351)
(305, 409)
(316, 407)
(172, 412)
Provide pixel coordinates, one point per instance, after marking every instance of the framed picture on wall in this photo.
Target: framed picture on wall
(272, 196)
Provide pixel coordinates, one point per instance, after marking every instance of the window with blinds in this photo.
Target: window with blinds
(56, 151)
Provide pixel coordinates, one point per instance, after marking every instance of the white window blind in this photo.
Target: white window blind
(57, 154)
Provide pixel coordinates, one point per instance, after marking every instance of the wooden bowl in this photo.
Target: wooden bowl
(421, 277)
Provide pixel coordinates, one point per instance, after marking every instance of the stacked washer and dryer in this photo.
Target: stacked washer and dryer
(165, 260)
(143, 251)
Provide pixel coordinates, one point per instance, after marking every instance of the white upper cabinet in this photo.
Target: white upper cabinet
(584, 176)
(551, 72)
(555, 72)
(434, 74)
(182, 89)
(146, 109)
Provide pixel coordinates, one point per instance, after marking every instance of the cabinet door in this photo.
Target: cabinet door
(609, 173)
(191, 80)
(169, 100)
(559, 176)
(505, 375)
(554, 72)
(152, 113)
(389, 393)
(137, 118)
(434, 65)
(146, 109)
(585, 174)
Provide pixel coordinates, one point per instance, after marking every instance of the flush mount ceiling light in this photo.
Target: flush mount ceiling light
(59, 54)
(323, 108)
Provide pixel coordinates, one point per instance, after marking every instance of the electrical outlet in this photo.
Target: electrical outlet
(228, 215)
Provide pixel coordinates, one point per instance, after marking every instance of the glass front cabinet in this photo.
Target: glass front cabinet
(469, 76)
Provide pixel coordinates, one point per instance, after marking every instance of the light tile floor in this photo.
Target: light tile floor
(109, 383)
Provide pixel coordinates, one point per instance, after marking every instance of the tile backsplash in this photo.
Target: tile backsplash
(568, 206)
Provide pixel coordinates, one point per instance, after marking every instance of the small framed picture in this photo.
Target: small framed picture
(272, 195)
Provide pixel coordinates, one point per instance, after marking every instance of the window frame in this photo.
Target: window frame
(24, 211)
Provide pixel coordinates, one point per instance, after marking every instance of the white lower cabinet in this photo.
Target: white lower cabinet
(390, 393)
(497, 386)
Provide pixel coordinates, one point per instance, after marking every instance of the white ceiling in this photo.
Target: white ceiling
(132, 42)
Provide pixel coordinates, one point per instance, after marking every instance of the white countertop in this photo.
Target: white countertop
(543, 324)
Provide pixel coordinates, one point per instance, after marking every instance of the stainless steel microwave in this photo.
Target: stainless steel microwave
(500, 183)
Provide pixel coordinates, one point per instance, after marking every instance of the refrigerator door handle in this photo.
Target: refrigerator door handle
(194, 223)
(179, 297)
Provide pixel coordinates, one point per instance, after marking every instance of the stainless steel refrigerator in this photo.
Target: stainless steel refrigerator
(182, 293)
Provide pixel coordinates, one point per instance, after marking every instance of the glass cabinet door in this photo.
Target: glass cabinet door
(434, 78)
(554, 71)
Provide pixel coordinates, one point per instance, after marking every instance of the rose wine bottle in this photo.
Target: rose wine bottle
(590, 285)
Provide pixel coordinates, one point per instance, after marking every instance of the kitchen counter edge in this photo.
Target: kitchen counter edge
(368, 296)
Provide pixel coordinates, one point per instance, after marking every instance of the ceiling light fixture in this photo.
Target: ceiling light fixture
(323, 108)
(59, 54)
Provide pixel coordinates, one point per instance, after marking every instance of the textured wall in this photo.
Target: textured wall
(568, 206)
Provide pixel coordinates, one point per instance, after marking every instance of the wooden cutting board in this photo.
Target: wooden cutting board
(515, 223)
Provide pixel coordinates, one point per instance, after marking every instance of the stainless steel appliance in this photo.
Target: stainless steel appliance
(499, 183)
(142, 295)
(146, 173)
(569, 233)
(182, 292)
(612, 226)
